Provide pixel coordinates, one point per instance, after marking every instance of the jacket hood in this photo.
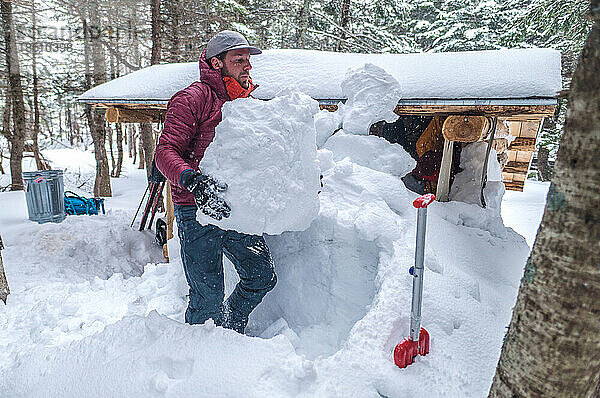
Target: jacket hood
(212, 77)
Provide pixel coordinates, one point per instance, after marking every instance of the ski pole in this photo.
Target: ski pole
(148, 208)
(139, 206)
(418, 341)
(156, 202)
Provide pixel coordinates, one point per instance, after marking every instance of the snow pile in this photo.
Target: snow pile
(467, 184)
(343, 295)
(265, 151)
(326, 124)
(82, 252)
(372, 96)
(155, 356)
(371, 151)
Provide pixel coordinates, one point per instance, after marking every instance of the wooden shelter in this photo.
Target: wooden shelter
(515, 89)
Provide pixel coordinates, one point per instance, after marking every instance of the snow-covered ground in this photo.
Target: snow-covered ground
(523, 211)
(94, 311)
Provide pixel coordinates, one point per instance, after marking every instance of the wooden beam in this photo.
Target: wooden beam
(530, 129)
(523, 144)
(464, 128)
(514, 185)
(508, 112)
(507, 177)
(527, 112)
(330, 108)
(519, 156)
(128, 105)
(516, 167)
(120, 115)
(443, 186)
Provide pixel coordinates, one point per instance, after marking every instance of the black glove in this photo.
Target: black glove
(205, 190)
(155, 175)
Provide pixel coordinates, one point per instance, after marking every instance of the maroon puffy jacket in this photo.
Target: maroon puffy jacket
(192, 115)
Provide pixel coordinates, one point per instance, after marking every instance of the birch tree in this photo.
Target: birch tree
(552, 347)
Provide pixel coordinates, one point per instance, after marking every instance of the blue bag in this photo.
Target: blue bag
(77, 205)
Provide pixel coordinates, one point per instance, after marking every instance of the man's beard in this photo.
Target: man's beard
(244, 85)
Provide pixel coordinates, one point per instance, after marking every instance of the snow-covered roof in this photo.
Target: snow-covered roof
(498, 74)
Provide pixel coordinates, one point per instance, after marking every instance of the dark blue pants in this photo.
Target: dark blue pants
(202, 248)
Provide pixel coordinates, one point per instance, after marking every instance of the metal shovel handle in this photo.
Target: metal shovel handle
(421, 204)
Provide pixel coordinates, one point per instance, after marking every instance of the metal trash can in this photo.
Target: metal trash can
(45, 195)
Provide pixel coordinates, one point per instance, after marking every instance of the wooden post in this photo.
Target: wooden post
(170, 215)
(443, 186)
(485, 162)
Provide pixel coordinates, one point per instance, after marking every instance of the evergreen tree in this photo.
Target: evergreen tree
(465, 26)
(557, 24)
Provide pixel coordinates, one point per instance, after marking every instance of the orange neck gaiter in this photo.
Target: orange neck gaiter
(235, 90)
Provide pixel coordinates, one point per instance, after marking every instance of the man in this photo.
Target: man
(189, 128)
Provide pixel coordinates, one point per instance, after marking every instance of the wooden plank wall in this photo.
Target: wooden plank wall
(520, 152)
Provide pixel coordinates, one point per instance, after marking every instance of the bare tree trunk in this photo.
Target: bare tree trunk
(71, 133)
(344, 19)
(40, 163)
(543, 165)
(134, 32)
(102, 183)
(130, 143)
(302, 23)
(113, 75)
(60, 124)
(156, 45)
(141, 153)
(134, 144)
(173, 8)
(119, 128)
(15, 93)
(147, 142)
(552, 348)
(1, 167)
(6, 132)
(109, 138)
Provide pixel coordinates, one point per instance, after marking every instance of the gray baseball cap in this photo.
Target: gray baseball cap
(228, 40)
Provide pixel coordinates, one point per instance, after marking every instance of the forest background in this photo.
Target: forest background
(55, 50)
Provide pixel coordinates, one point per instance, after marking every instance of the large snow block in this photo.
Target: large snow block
(266, 153)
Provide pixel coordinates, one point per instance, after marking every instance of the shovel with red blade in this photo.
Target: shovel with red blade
(418, 341)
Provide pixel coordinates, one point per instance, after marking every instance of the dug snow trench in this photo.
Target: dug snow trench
(328, 328)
